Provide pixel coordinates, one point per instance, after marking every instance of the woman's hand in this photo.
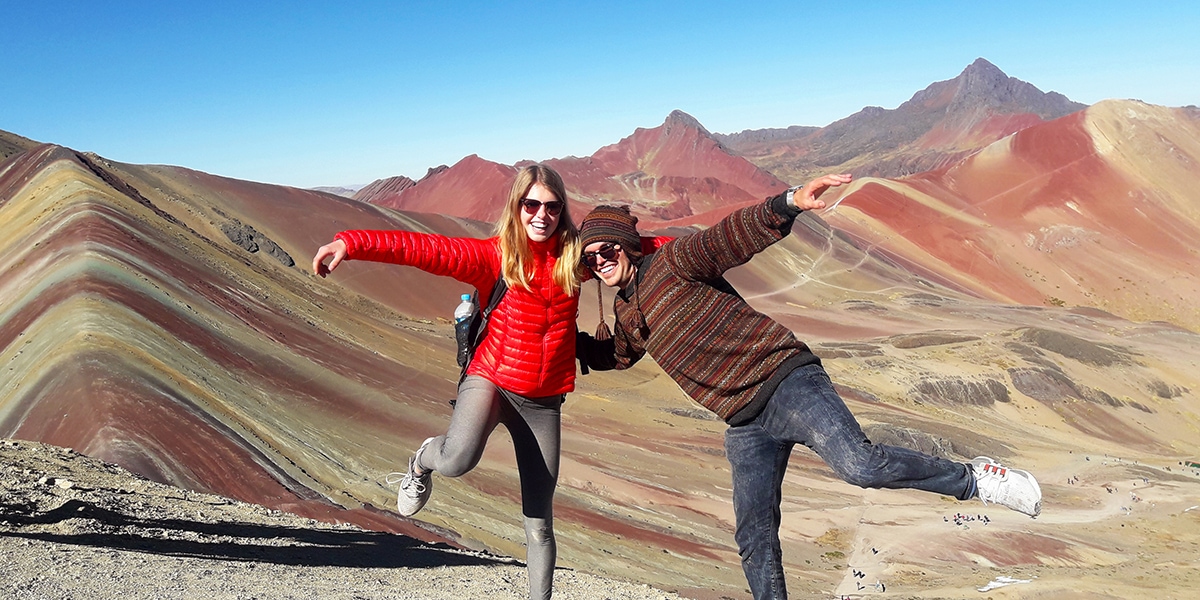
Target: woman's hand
(336, 249)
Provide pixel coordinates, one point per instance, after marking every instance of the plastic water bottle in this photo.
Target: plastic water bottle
(465, 309)
(462, 328)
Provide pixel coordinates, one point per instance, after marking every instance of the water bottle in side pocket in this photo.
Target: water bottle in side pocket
(463, 315)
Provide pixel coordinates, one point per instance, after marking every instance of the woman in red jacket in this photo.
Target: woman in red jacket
(524, 366)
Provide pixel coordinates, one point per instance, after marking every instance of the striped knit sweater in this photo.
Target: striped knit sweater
(723, 353)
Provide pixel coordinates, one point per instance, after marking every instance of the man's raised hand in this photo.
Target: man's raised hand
(808, 197)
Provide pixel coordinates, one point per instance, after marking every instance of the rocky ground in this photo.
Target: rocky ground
(74, 527)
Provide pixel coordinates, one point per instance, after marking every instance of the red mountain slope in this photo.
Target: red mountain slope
(1099, 208)
(474, 188)
(672, 171)
(382, 187)
(938, 125)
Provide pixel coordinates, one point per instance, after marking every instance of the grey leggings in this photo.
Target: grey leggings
(534, 424)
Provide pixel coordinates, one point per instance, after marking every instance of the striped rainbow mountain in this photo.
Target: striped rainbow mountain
(1011, 274)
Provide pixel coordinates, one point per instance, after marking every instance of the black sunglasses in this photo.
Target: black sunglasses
(532, 207)
(607, 252)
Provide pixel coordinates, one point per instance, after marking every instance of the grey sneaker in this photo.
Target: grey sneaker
(1014, 488)
(414, 489)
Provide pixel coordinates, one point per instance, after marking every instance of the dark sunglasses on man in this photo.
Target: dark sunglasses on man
(607, 252)
(532, 206)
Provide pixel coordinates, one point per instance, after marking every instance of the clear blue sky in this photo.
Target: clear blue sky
(335, 93)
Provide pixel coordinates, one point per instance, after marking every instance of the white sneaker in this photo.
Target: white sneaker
(414, 489)
(1014, 488)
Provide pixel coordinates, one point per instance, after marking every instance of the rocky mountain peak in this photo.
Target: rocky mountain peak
(383, 187)
(983, 70)
(982, 84)
(678, 118)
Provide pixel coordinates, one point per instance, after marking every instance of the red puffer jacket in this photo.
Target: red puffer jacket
(530, 345)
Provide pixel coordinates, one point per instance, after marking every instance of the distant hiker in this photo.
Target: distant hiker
(753, 373)
(523, 368)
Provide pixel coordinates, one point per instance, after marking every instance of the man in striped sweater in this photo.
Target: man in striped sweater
(752, 372)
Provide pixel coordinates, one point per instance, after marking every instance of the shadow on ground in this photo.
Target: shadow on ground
(84, 524)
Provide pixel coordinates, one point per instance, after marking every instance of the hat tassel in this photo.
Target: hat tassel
(603, 333)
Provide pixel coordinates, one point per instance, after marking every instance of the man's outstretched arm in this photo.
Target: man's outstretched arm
(734, 240)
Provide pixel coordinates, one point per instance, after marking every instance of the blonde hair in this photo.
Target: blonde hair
(515, 257)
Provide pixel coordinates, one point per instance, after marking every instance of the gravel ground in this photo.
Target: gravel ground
(74, 527)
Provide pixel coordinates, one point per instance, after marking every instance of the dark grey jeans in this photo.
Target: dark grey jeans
(805, 409)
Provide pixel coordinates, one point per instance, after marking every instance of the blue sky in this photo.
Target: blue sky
(337, 93)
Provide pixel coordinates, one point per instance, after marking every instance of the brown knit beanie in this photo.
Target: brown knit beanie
(608, 223)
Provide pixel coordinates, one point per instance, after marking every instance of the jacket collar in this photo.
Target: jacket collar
(546, 247)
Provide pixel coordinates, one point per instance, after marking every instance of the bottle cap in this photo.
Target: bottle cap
(466, 297)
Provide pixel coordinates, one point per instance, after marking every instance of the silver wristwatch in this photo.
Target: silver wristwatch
(790, 193)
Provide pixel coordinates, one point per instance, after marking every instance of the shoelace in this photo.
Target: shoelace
(995, 469)
(406, 480)
(989, 472)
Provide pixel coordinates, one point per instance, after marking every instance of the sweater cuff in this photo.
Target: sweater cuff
(780, 206)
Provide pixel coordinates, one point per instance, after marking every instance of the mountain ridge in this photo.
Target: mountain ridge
(664, 173)
(680, 169)
(940, 124)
